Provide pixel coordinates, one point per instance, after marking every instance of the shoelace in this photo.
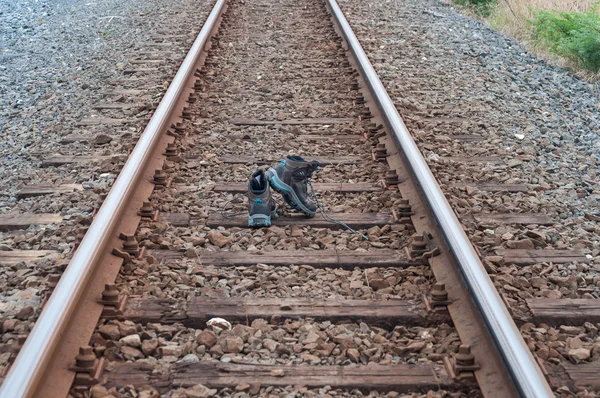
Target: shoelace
(226, 214)
(326, 215)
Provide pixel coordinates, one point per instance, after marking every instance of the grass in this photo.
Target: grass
(483, 8)
(567, 30)
(573, 35)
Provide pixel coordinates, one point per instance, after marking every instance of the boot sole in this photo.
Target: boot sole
(259, 220)
(288, 194)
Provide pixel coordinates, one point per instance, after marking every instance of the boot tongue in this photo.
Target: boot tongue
(258, 182)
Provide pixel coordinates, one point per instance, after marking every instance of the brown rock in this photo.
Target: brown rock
(543, 353)
(374, 232)
(232, 344)
(9, 325)
(312, 337)
(25, 313)
(538, 282)
(102, 139)
(149, 394)
(310, 358)
(525, 244)
(131, 353)
(217, 238)
(149, 346)
(216, 350)
(270, 344)
(570, 330)
(207, 338)
(345, 341)
(110, 332)
(243, 331)
(353, 355)
(171, 350)
(200, 391)
(98, 391)
(133, 340)
(379, 283)
(254, 388)
(577, 355)
(242, 387)
(127, 328)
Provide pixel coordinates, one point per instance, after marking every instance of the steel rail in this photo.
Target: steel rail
(29, 365)
(524, 371)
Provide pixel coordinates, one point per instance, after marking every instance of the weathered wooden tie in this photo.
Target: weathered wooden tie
(497, 187)
(177, 219)
(474, 159)
(68, 159)
(22, 221)
(94, 121)
(353, 220)
(30, 191)
(239, 187)
(214, 374)
(556, 312)
(346, 259)
(530, 257)
(244, 159)
(467, 138)
(293, 122)
(318, 138)
(200, 309)
(16, 256)
(512, 218)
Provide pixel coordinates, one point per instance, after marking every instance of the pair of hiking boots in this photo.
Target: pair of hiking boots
(290, 179)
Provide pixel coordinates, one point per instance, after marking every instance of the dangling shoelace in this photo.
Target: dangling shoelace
(326, 215)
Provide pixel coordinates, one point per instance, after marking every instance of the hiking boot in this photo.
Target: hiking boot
(290, 179)
(261, 206)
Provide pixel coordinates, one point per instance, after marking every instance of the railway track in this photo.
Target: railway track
(311, 308)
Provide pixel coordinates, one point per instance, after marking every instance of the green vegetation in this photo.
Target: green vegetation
(483, 8)
(572, 35)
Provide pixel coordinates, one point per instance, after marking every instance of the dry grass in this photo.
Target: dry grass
(511, 15)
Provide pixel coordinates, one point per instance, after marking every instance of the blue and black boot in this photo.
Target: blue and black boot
(261, 206)
(290, 178)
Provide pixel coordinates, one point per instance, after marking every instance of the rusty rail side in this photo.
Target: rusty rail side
(477, 309)
(67, 322)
